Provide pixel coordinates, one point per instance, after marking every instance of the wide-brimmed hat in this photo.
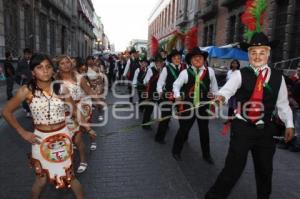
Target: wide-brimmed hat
(258, 39)
(144, 59)
(195, 51)
(158, 57)
(132, 50)
(173, 53)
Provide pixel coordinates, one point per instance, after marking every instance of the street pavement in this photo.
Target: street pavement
(131, 165)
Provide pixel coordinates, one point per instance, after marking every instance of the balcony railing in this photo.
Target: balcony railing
(210, 10)
(232, 3)
(287, 66)
(63, 7)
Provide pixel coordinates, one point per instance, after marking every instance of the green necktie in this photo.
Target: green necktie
(197, 89)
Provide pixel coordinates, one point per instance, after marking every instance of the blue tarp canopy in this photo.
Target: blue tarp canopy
(226, 53)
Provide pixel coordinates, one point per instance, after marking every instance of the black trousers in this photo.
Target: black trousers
(111, 79)
(166, 110)
(244, 138)
(148, 110)
(9, 87)
(140, 92)
(184, 128)
(130, 91)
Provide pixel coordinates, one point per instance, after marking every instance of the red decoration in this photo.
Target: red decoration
(253, 17)
(154, 46)
(191, 39)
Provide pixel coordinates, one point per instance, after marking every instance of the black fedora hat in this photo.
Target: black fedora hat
(158, 57)
(195, 51)
(258, 39)
(144, 59)
(173, 53)
(133, 50)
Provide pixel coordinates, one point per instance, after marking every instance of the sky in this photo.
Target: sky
(124, 20)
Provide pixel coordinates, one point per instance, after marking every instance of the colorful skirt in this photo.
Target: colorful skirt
(85, 108)
(53, 157)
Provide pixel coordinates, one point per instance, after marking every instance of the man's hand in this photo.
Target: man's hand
(178, 99)
(289, 134)
(160, 94)
(219, 100)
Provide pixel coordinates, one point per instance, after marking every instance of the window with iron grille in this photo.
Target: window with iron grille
(52, 38)
(11, 26)
(43, 33)
(28, 26)
(295, 35)
(240, 29)
(210, 35)
(205, 35)
(231, 29)
(279, 31)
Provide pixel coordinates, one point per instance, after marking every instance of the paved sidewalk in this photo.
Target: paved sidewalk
(3, 97)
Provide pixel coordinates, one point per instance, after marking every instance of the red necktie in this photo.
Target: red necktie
(256, 100)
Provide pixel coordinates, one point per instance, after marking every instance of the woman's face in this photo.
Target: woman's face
(82, 69)
(90, 62)
(143, 64)
(234, 65)
(159, 64)
(65, 65)
(43, 71)
(176, 60)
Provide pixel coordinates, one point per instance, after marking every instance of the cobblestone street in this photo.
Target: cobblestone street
(132, 165)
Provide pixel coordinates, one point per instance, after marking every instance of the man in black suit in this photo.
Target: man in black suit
(23, 74)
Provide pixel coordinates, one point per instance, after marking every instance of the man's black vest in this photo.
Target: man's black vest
(140, 79)
(270, 94)
(172, 74)
(134, 64)
(151, 88)
(188, 88)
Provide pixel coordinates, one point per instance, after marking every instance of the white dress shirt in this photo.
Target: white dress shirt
(136, 74)
(229, 74)
(183, 79)
(126, 68)
(162, 78)
(282, 103)
(149, 74)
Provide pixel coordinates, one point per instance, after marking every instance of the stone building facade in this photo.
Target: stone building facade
(219, 23)
(48, 26)
(162, 21)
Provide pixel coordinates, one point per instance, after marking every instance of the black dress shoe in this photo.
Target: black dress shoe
(160, 141)
(210, 196)
(177, 157)
(294, 149)
(147, 127)
(209, 159)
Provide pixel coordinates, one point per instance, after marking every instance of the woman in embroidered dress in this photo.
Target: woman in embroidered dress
(80, 92)
(97, 79)
(51, 140)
